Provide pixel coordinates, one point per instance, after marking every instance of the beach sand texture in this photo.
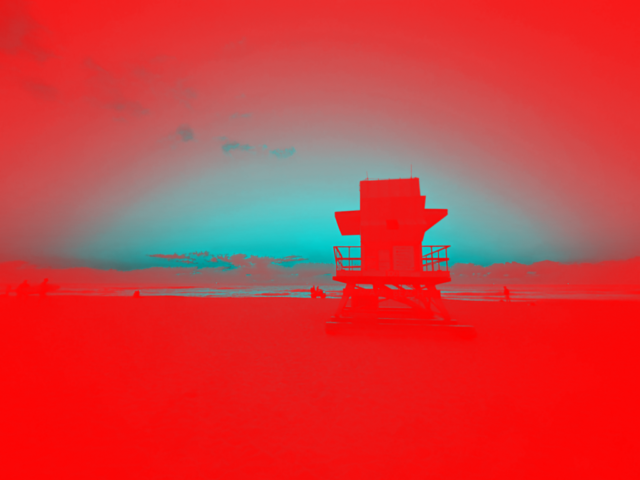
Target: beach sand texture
(224, 388)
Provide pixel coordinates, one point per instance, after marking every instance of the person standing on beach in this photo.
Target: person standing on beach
(507, 297)
(42, 288)
(22, 290)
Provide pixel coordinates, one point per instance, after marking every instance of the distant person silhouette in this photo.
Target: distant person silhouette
(507, 296)
(317, 292)
(42, 288)
(22, 290)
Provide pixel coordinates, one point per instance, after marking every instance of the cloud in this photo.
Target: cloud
(242, 269)
(175, 256)
(108, 91)
(180, 258)
(41, 90)
(19, 33)
(303, 274)
(549, 273)
(185, 95)
(249, 263)
(185, 132)
(229, 146)
(201, 268)
(283, 152)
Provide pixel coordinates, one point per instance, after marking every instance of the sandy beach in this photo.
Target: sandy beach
(227, 388)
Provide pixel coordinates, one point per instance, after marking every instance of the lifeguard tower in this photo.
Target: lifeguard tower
(391, 265)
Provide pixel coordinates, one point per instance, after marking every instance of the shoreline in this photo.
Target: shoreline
(450, 292)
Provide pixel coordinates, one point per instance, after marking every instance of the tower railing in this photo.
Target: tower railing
(434, 258)
(344, 260)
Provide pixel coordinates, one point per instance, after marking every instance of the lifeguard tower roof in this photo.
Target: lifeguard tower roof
(403, 187)
(391, 204)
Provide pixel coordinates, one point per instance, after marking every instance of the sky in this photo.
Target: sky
(136, 130)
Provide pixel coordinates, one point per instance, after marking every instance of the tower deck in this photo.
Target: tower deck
(434, 268)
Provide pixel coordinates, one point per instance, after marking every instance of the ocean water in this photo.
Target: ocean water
(451, 292)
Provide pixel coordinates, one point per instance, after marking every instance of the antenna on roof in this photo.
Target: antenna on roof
(411, 170)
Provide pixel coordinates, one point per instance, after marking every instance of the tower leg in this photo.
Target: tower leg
(436, 299)
(346, 294)
(427, 310)
(402, 295)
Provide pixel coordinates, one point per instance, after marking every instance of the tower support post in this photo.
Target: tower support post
(419, 303)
